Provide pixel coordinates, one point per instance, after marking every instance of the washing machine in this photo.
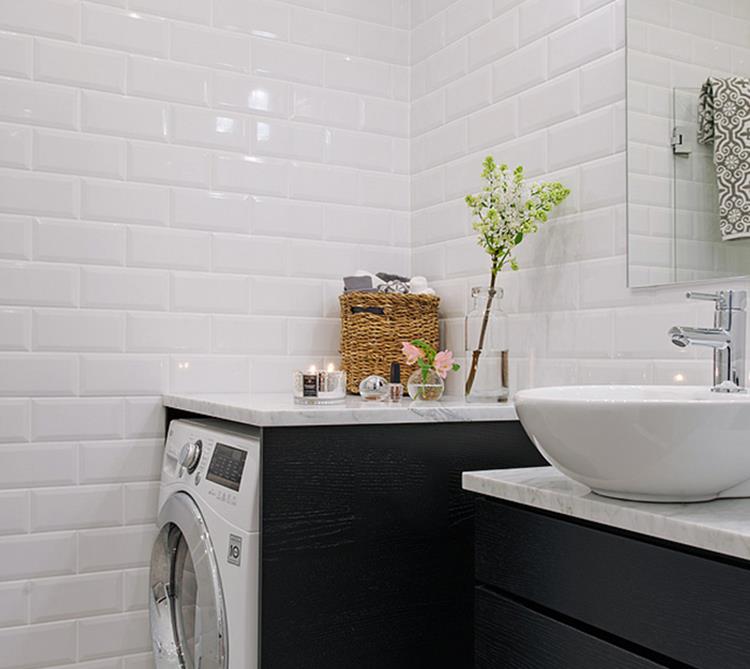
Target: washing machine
(203, 599)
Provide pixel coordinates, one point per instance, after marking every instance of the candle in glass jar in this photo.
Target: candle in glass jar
(320, 387)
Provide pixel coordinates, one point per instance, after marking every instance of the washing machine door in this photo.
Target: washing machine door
(186, 605)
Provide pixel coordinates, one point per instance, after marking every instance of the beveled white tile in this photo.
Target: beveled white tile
(114, 635)
(324, 106)
(538, 17)
(110, 549)
(115, 288)
(103, 375)
(250, 94)
(199, 374)
(124, 117)
(324, 31)
(172, 165)
(14, 427)
(383, 43)
(277, 217)
(76, 419)
(77, 330)
(16, 55)
(15, 329)
(81, 155)
(331, 184)
(358, 75)
(144, 417)
(77, 596)
(124, 203)
(120, 461)
(358, 149)
(68, 508)
(212, 129)
(249, 335)
(496, 39)
(162, 80)
(210, 211)
(37, 465)
(210, 48)
(210, 293)
(198, 11)
(260, 19)
(244, 174)
(167, 248)
(38, 284)
(287, 61)
(385, 116)
(38, 104)
(288, 140)
(250, 255)
(126, 31)
(275, 296)
(54, 18)
(150, 333)
(15, 146)
(141, 504)
(79, 66)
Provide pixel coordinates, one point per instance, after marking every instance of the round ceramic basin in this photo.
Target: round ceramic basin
(650, 443)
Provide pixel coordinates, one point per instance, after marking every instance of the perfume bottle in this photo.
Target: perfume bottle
(395, 389)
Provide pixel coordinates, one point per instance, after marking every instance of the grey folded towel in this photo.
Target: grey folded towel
(724, 119)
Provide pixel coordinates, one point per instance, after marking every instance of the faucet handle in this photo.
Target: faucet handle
(724, 299)
(707, 297)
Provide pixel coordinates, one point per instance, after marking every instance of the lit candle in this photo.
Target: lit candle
(320, 387)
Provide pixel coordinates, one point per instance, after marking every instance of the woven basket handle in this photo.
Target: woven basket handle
(377, 311)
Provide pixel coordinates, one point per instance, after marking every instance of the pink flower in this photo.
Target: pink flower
(411, 352)
(443, 363)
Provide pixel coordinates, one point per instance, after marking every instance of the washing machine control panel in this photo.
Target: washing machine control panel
(226, 466)
(223, 468)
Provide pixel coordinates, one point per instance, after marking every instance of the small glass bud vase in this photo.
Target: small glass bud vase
(425, 386)
(486, 337)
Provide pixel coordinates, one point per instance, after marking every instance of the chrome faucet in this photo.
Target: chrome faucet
(726, 338)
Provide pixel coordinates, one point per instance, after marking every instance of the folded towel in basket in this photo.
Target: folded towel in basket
(724, 119)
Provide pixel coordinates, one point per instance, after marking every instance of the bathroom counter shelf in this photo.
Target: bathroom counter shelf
(721, 526)
(567, 578)
(364, 525)
(279, 410)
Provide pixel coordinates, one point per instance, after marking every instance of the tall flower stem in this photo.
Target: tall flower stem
(482, 333)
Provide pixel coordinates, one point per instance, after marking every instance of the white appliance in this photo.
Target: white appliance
(204, 563)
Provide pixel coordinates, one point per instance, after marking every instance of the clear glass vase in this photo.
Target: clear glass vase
(426, 386)
(486, 344)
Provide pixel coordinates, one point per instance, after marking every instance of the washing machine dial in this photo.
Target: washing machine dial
(190, 455)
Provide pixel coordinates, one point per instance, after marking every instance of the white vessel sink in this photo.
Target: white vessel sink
(648, 443)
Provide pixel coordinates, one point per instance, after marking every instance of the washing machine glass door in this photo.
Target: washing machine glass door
(188, 619)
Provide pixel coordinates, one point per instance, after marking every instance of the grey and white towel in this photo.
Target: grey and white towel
(724, 119)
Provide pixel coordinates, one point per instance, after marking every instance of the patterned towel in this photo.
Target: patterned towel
(724, 118)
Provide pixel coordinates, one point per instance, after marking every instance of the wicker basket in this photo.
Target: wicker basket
(373, 326)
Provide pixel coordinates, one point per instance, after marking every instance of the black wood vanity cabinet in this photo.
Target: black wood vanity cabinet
(554, 592)
(367, 541)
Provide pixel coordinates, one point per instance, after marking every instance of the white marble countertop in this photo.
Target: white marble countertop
(721, 526)
(267, 410)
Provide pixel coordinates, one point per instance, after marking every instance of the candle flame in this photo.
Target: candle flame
(330, 367)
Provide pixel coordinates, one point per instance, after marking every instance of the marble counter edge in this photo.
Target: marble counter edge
(354, 412)
(719, 526)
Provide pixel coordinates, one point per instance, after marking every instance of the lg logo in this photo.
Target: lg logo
(235, 549)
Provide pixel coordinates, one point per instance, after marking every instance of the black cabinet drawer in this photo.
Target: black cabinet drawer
(511, 636)
(683, 605)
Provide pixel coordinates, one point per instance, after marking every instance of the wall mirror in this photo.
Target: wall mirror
(688, 121)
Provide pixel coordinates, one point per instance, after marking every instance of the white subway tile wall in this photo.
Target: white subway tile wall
(184, 182)
(169, 171)
(542, 83)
